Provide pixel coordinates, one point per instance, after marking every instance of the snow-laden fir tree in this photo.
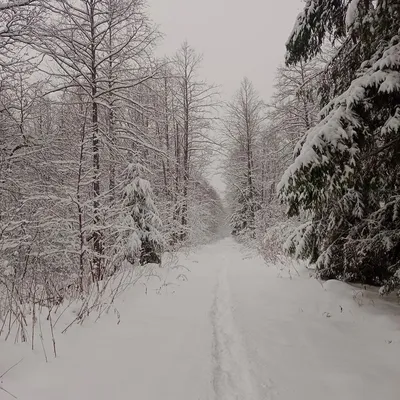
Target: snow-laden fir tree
(139, 237)
(346, 173)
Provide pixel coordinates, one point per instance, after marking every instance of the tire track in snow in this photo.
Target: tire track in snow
(232, 379)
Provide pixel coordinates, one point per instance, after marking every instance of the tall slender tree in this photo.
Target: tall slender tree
(195, 102)
(243, 127)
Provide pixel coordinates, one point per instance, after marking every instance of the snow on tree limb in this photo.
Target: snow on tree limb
(337, 130)
(10, 4)
(318, 19)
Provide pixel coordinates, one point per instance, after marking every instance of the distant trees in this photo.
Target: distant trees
(243, 128)
(194, 103)
(292, 110)
(185, 111)
(260, 141)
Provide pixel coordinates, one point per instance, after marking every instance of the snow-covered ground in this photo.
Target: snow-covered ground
(221, 325)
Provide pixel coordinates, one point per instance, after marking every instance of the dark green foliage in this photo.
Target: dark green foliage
(242, 220)
(347, 171)
(140, 227)
(319, 19)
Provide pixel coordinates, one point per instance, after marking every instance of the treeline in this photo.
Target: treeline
(103, 148)
(327, 145)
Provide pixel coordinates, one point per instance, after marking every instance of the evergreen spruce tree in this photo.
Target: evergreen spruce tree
(243, 209)
(140, 228)
(346, 173)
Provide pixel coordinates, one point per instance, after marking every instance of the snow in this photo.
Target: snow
(8, 270)
(221, 324)
(231, 376)
(302, 20)
(352, 13)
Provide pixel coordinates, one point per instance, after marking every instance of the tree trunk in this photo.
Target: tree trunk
(97, 239)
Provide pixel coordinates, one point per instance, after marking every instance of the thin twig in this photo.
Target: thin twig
(4, 390)
(9, 369)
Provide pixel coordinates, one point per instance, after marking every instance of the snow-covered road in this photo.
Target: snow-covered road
(235, 329)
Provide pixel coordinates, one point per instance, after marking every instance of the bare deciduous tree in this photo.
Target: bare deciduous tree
(195, 102)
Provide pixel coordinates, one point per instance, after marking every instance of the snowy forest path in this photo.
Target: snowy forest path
(220, 324)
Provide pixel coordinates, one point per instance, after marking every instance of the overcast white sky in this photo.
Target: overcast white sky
(236, 37)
